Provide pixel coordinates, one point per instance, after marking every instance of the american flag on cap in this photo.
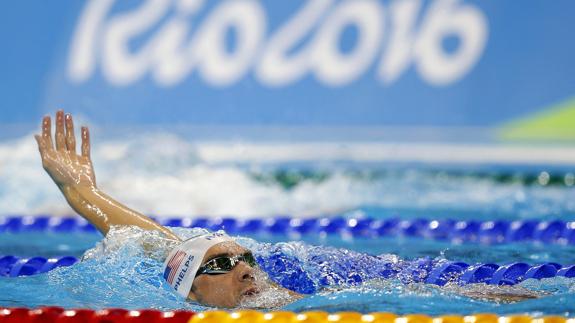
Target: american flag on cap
(173, 265)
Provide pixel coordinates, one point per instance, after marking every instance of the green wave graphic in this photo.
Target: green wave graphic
(555, 123)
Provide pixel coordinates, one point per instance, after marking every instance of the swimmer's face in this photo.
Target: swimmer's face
(228, 289)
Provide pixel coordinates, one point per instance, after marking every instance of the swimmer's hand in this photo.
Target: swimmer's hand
(61, 161)
(74, 176)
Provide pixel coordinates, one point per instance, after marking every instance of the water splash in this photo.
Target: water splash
(122, 271)
(163, 174)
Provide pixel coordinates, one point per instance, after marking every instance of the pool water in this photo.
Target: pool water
(165, 176)
(117, 273)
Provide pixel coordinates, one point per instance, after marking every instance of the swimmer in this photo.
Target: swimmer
(210, 269)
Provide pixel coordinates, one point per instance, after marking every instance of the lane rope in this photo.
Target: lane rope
(58, 314)
(355, 317)
(421, 270)
(499, 231)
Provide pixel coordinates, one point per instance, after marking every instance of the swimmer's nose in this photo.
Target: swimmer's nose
(245, 273)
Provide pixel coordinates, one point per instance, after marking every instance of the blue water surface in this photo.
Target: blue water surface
(118, 273)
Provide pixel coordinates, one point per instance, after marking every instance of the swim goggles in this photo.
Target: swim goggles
(225, 264)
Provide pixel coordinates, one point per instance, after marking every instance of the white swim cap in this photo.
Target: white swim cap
(184, 260)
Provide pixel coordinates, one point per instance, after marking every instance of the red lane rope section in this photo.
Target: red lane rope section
(55, 314)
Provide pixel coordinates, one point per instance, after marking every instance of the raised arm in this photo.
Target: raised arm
(74, 176)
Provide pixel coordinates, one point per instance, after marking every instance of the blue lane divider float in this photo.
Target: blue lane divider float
(499, 231)
(12, 266)
(289, 272)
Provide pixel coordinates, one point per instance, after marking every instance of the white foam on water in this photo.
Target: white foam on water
(163, 174)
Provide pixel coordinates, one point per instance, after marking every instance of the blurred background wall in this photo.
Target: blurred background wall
(407, 68)
(247, 107)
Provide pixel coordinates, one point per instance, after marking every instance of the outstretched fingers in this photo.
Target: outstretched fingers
(60, 137)
(47, 133)
(70, 138)
(85, 142)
